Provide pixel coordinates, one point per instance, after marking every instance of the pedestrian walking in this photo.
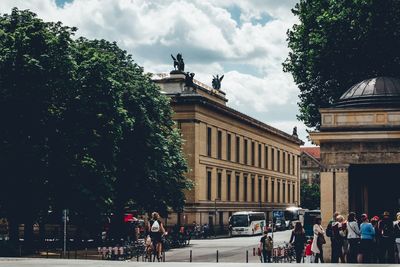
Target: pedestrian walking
(298, 240)
(318, 241)
(386, 232)
(397, 235)
(329, 232)
(337, 239)
(308, 252)
(353, 237)
(367, 238)
(266, 247)
(375, 251)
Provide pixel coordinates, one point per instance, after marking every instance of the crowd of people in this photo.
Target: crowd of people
(368, 240)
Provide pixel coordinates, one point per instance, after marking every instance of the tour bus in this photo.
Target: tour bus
(247, 223)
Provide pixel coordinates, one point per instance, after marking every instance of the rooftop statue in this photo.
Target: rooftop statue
(189, 79)
(294, 131)
(216, 82)
(179, 65)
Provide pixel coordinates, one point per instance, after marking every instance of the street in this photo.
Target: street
(229, 249)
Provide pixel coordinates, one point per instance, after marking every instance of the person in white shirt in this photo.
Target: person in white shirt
(318, 241)
(353, 236)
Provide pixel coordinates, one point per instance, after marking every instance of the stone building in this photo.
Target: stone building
(360, 150)
(236, 162)
(310, 164)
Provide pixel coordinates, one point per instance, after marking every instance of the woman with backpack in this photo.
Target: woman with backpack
(156, 231)
(298, 239)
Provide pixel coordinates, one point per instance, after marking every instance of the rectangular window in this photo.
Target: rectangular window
(293, 164)
(273, 159)
(209, 183)
(266, 158)
(278, 157)
(219, 145)
(266, 190)
(245, 151)
(237, 149)
(259, 189)
(252, 189)
(259, 155)
(288, 193)
(237, 187)
(228, 147)
(289, 165)
(209, 141)
(284, 161)
(228, 186)
(252, 154)
(219, 184)
(245, 188)
(272, 191)
(279, 191)
(284, 192)
(293, 193)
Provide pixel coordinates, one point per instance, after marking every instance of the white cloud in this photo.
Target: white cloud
(211, 40)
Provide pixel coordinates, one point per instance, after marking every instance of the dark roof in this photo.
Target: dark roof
(375, 92)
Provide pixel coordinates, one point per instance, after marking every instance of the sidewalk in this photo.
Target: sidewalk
(23, 262)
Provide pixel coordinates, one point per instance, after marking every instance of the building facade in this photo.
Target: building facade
(237, 163)
(360, 150)
(310, 165)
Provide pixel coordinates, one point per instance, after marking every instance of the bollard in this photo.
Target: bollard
(190, 257)
(254, 251)
(76, 254)
(217, 255)
(137, 257)
(68, 254)
(20, 250)
(47, 251)
(247, 256)
(163, 256)
(61, 254)
(86, 253)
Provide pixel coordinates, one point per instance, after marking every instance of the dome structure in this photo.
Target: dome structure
(375, 92)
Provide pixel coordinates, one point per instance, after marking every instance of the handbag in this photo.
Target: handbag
(321, 239)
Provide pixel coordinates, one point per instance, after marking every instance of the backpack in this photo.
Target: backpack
(155, 227)
(387, 229)
(329, 231)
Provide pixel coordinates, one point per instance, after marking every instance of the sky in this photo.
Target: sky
(244, 40)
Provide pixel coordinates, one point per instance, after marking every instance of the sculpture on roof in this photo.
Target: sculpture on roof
(295, 131)
(189, 79)
(216, 82)
(179, 65)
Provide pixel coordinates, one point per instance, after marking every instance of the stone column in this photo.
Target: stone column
(334, 197)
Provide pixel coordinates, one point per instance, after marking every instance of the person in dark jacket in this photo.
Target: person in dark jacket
(298, 239)
(386, 231)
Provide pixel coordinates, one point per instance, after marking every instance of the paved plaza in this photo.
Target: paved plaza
(229, 249)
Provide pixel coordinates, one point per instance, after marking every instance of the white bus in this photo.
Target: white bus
(247, 223)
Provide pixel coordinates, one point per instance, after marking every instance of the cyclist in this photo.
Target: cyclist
(156, 230)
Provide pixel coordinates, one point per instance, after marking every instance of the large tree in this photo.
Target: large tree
(83, 128)
(338, 43)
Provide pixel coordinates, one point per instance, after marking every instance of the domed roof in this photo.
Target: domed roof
(375, 92)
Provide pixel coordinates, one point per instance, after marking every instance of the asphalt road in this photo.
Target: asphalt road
(229, 249)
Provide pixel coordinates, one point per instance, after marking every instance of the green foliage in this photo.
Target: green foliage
(83, 127)
(337, 44)
(309, 195)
